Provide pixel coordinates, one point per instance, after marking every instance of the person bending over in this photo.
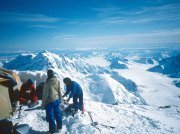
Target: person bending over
(76, 93)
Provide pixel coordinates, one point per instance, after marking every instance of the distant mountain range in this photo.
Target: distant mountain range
(168, 66)
(100, 79)
(97, 73)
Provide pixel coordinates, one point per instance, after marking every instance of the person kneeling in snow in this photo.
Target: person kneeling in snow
(28, 93)
(51, 102)
(76, 93)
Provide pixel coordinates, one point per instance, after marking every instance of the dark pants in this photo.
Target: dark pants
(53, 113)
(6, 126)
(78, 104)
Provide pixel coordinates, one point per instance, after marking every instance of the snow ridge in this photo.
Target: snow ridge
(97, 84)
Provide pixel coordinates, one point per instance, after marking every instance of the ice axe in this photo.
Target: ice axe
(19, 115)
(96, 123)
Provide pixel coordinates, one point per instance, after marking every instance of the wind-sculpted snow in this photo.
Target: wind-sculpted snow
(101, 90)
(37, 76)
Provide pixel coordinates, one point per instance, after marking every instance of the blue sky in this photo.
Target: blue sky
(61, 24)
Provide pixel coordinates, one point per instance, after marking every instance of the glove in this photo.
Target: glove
(28, 102)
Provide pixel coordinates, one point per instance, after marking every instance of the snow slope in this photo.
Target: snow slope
(104, 88)
(127, 99)
(155, 88)
(126, 119)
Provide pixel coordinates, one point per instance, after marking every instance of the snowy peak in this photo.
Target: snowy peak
(101, 83)
(47, 54)
(45, 51)
(19, 61)
(46, 60)
(40, 61)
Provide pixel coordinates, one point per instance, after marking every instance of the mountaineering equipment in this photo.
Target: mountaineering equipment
(94, 124)
(9, 89)
(67, 109)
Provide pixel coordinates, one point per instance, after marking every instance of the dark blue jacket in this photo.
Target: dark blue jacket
(74, 88)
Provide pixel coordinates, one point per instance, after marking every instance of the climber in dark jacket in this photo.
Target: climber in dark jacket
(76, 93)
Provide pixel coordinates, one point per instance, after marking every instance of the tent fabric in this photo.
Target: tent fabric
(11, 75)
(5, 104)
(18, 81)
(9, 83)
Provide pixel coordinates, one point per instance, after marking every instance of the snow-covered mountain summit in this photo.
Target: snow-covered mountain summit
(46, 59)
(20, 61)
(28, 61)
(107, 78)
(99, 81)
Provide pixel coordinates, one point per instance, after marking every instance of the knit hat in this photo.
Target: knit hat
(29, 81)
(67, 80)
(50, 72)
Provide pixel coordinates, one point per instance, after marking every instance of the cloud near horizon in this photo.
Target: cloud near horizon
(155, 37)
